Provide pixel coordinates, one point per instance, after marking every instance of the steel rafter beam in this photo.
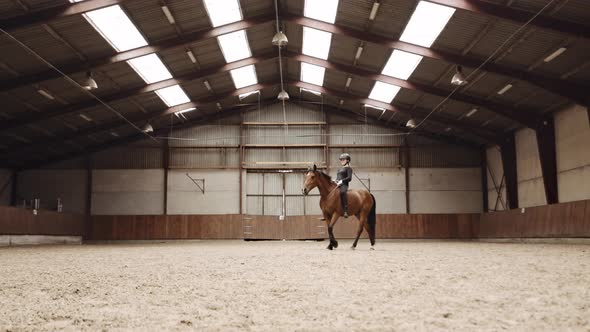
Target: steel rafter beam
(49, 15)
(26, 148)
(131, 138)
(561, 87)
(524, 117)
(206, 119)
(518, 16)
(350, 70)
(23, 148)
(169, 44)
(575, 92)
(120, 95)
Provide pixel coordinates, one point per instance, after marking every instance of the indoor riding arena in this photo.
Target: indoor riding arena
(209, 165)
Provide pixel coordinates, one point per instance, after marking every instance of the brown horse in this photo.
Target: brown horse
(361, 204)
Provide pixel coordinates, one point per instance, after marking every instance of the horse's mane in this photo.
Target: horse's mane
(325, 175)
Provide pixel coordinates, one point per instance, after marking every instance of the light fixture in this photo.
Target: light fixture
(283, 95)
(114, 134)
(85, 117)
(411, 123)
(46, 94)
(473, 111)
(359, 51)
(505, 88)
(191, 56)
(555, 54)
(458, 78)
(89, 83)
(447, 129)
(280, 39)
(348, 80)
(168, 14)
(218, 106)
(374, 10)
(207, 85)
(147, 128)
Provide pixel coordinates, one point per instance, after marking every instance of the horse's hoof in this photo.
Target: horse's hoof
(352, 248)
(335, 244)
(372, 248)
(329, 247)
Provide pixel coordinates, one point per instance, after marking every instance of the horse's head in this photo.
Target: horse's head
(311, 179)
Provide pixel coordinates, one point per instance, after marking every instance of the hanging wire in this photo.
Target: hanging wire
(87, 92)
(481, 65)
(281, 71)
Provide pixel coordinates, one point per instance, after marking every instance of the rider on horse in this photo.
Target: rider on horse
(342, 179)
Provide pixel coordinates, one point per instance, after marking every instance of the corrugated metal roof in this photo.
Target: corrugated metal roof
(526, 49)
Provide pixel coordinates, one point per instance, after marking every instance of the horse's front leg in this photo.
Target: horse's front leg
(331, 222)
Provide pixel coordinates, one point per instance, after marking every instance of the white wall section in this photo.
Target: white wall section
(128, 192)
(572, 135)
(531, 191)
(222, 192)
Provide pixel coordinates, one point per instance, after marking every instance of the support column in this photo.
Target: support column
(508, 150)
(88, 218)
(166, 166)
(14, 188)
(484, 178)
(547, 156)
(407, 173)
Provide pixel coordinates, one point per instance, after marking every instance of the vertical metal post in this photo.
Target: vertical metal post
(484, 178)
(14, 189)
(88, 220)
(548, 158)
(166, 166)
(241, 161)
(407, 173)
(508, 151)
(327, 141)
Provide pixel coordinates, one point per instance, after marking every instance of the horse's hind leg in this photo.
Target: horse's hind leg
(359, 231)
(371, 235)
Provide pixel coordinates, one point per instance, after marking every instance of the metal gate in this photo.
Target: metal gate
(276, 208)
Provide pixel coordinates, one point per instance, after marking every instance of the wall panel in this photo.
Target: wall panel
(531, 190)
(572, 135)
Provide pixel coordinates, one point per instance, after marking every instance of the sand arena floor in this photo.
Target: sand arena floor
(296, 286)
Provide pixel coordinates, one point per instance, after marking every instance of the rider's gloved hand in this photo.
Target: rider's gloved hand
(339, 183)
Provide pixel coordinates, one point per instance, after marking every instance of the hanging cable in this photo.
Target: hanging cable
(482, 64)
(84, 90)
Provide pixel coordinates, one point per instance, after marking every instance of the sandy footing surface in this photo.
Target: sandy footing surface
(296, 286)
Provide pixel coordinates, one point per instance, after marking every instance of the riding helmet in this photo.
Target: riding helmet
(344, 156)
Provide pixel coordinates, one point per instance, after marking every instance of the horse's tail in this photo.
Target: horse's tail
(372, 220)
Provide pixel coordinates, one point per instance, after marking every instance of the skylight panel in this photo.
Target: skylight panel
(244, 76)
(384, 92)
(173, 95)
(316, 43)
(426, 23)
(401, 64)
(312, 74)
(323, 10)
(150, 68)
(234, 46)
(223, 12)
(114, 25)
